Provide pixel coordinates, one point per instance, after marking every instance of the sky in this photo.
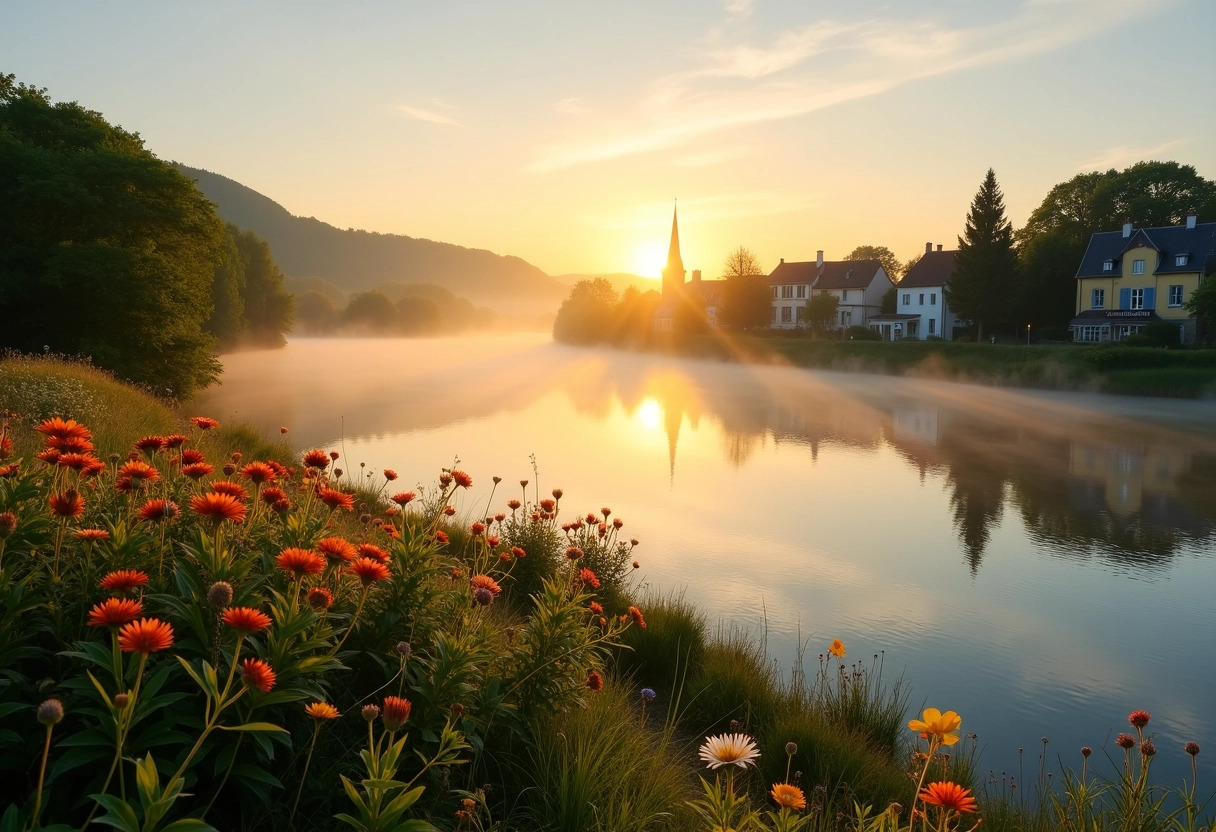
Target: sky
(563, 132)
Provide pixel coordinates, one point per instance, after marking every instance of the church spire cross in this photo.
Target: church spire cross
(673, 272)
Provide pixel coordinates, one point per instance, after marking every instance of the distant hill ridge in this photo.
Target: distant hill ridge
(356, 260)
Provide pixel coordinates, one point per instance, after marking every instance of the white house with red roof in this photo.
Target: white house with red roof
(858, 286)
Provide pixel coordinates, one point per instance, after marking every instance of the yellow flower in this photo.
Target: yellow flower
(321, 710)
(787, 796)
(837, 649)
(936, 724)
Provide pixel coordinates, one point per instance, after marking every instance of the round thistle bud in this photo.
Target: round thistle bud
(115, 458)
(229, 468)
(50, 712)
(1191, 748)
(220, 594)
(8, 522)
(370, 712)
(1086, 751)
(483, 596)
(337, 472)
(404, 649)
(791, 748)
(1125, 741)
(648, 694)
(1147, 749)
(121, 701)
(457, 709)
(1138, 718)
(497, 480)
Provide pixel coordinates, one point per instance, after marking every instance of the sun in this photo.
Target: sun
(649, 258)
(650, 414)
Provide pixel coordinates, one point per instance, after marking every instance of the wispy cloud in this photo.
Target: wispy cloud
(828, 62)
(429, 116)
(1125, 154)
(739, 8)
(704, 209)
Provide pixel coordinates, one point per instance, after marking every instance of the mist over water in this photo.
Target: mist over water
(1041, 563)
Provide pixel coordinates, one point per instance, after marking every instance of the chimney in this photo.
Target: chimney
(1127, 229)
(928, 247)
(939, 246)
(819, 258)
(1191, 219)
(783, 261)
(696, 275)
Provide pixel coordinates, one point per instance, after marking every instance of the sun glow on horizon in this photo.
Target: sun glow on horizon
(649, 258)
(649, 413)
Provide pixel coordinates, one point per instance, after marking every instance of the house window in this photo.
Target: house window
(907, 299)
(775, 311)
(774, 293)
(1175, 296)
(1097, 299)
(932, 324)
(1137, 298)
(1108, 265)
(933, 298)
(921, 300)
(1137, 267)
(787, 314)
(801, 314)
(787, 291)
(844, 295)
(846, 317)
(1180, 260)
(802, 291)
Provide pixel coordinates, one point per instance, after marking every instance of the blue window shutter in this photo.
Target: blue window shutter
(1150, 297)
(1125, 298)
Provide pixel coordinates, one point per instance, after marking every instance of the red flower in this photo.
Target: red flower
(404, 497)
(337, 499)
(441, 536)
(574, 553)
(138, 472)
(513, 504)
(124, 580)
(191, 456)
(1125, 741)
(150, 444)
(92, 467)
(316, 458)
(246, 619)
(462, 479)
(258, 473)
(1139, 718)
(477, 528)
(950, 796)
(485, 582)
(595, 607)
(159, 510)
(197, 470)
(91, 535)
(390, 474)
(76, 462)
(203, 423)
(588, 577)
(175, 440)
(56, 428)
(335, 548)
(637, 617)
(146, 635)
(114, 612)
(518, 552)
(547, 504)
(395, 712)
(595, 681)
(67, 504)
(218, 507)
(50, 456)
(369, 550)
(270, 496)
(258, 674)
(300, 562)
(232, 489)
(369, 571)
(333, 455)
(320, 598)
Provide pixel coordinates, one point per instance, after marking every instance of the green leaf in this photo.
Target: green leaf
(252, 726)
(189, 825)
(147, 779)
(105, 697)
(118, 813)
(211, 690)
(7, 708)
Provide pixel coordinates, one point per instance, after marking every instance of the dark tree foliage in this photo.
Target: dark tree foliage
(890, 301)
(985, 268)
(315, 314)
(890, 263)
(586, 315)
(105, 251)
(820, 313)
(746, 297)
(419, 316)
(371, 311)
(1047, 284)
(227, 322)
(268, 306)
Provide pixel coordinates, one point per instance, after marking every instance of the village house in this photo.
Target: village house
(858, 286)
(1136, 277)
(921, 310)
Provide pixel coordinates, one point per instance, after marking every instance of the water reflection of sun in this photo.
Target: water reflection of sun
(650, 414)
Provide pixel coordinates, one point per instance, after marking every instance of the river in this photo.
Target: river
(1041, 563)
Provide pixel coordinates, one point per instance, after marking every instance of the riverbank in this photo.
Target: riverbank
(1120, 370)
(570, 731)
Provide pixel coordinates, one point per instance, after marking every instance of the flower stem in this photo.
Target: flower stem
(350, 627)
(304, 776)
(46, 750)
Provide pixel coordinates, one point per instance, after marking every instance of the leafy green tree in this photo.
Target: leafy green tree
(890, 301)
(1047, 284)
(227, 321)
(890, 263)
(371, 311)
(746, 297)
(417, 315)
(105, 250)
(268, 306)
(1202, 305)
(985, 268)
(315, 313)
(586, 316)
(908, 264)
(1154, 194)
(821, 313)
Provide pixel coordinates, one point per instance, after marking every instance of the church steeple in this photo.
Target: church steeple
(673, 272)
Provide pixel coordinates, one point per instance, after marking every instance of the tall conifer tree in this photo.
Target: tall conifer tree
(982, 287)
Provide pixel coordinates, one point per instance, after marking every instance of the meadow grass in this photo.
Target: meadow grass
(670, 650)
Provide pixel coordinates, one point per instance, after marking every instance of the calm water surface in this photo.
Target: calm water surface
(1041, 563)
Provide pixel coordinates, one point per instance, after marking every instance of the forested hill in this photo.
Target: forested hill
(355, 260)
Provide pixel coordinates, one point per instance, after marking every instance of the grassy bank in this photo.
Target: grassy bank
(1134, 371)
(309, 650)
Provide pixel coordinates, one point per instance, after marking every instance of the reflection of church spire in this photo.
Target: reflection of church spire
(672, 419)
(673, 272)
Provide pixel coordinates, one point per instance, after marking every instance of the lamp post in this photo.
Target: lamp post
(1028, 335)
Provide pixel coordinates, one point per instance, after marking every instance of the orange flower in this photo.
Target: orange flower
(175, 440)
(950, 796)
(138, 472)
(76, 462)
(258, 473)
(246, 619)
(50, 456)
(232, 489)
(124, 580)
(150, 444)
(147, 635)
(300, 562)
(91, 535)
(836, 648)
(197, 470)
(316, 458)
(596, 608)
(934, 723)
(203, 423)
(390, 474)
(320, 598)
(518, 552)
(595, 681)
(56, 428)
(787, 796)
(588, 577)
(336, 499)
(92, 467)
(67, 504)
(395, 712)
(192, 455)
(335, 548)
(114, 612)
(321, 710)
(637, 617)
(258, 674)
(159, 510)
(403, 497)
(218, 508)
(370, 550)
(441, 536)
(369, 571)
(462, 479)
(270, 496)
(485, 582)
